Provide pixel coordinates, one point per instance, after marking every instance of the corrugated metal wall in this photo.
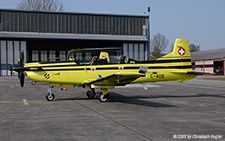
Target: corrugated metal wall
(50, 22)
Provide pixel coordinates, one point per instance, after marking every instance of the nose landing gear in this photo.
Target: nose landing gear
(50, 96)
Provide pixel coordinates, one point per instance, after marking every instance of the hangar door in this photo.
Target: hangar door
(218, 67)
(10, 53)
(136, 51)
(56, 50)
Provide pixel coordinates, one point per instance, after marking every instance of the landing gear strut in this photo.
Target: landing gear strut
(50, 95)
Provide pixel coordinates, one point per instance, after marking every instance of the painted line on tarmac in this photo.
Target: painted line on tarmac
(5, 102)
(25, 102)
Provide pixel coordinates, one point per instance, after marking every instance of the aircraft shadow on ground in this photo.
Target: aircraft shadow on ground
(189, 96)
(145, 100)
(140, 100)
(135, 100)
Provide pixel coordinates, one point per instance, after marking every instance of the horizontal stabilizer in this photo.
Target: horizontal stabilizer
(192, 72)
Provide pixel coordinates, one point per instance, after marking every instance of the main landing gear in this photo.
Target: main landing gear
(103, 96)
(91, 93)
(50, 96)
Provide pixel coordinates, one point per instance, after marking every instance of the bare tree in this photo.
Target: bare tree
(41, 5)
(171, 47)
(159, 44)
(194, 48)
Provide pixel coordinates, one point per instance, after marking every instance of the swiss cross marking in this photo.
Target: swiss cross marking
(93, 69)
(121, 68)
(181, 51)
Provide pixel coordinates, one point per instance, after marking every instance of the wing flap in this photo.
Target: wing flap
(118, 79)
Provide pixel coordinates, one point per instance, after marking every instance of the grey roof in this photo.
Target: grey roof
(35, 35)
(79, 13)
(208, 55)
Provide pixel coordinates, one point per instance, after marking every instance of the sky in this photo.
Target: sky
(201, 22)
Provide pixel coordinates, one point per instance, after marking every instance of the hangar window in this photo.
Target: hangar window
(79, 56)
(44, 54)
(88, 56)
(62, 55)
(3, 52)
(35, 55)
(52, 55)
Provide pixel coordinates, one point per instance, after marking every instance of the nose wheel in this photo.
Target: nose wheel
(50, 96)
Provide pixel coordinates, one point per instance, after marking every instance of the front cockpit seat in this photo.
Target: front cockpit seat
(104, 55)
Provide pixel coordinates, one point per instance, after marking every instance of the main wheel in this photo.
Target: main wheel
(103, 98)
(50, 97)
(91, 94)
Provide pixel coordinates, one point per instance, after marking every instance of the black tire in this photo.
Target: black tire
(50, 97)
(33, 83)
(103, 98)
(91, 94)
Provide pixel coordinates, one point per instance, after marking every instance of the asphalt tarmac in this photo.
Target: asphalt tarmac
(166, 111)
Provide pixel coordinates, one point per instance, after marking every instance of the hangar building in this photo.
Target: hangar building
(52, 34)
(210, 60)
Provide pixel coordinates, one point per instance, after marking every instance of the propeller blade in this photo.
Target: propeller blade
(21, 58)
(22, 76)
(19, 75)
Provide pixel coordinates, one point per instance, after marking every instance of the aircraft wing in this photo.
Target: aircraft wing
(118, 79)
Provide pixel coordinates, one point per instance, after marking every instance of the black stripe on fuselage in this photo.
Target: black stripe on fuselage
(116, 68)
(164, 61)
(136, 62)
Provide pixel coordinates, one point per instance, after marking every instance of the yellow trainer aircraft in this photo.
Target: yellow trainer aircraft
(100, 73)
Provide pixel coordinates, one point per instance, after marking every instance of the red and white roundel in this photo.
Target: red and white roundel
(181, 51)
(93, 69)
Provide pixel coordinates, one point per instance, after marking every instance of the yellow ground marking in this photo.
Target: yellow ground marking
(25, 102)
(10, 102)
(17, 84)
(12, 86)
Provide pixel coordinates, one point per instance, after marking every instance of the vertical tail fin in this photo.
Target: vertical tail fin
(180, 51)
(180, 58)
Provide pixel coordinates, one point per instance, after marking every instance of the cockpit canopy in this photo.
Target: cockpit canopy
(92, 58)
